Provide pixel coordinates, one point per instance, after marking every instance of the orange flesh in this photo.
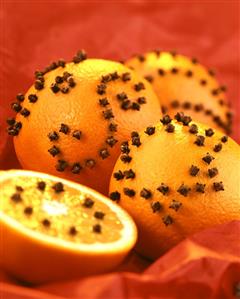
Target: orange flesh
(64, 210)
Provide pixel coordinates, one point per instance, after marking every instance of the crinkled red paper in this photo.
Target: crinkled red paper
(34, 33)
(204, 266)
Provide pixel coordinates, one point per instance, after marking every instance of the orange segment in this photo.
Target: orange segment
(180, 177)
(183, 84)
(55, 229)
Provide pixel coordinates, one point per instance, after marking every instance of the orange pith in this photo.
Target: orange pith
(183, 84)
(74, 130)
(48, 223)
(182, 177)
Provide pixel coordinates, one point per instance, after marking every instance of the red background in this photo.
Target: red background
(34, 33)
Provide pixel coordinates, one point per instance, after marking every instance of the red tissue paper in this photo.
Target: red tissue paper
(34, 33)
(204, 266)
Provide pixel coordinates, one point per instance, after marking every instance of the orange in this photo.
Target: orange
(182, 178)
(75, 116)
(53, 229)
(183, 84)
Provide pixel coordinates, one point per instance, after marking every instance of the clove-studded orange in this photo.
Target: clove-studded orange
(53, 229)
(177, 178)
(183, 84)
(72, 120)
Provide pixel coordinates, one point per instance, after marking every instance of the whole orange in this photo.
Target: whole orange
(182, 177)
(72, 120)
(183, 84)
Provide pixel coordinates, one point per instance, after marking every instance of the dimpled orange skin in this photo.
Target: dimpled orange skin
(166, 158)
(179, 87)
(80, 110)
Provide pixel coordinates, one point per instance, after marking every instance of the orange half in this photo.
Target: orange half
(53, 229)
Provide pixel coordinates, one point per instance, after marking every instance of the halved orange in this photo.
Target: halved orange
(53, 229)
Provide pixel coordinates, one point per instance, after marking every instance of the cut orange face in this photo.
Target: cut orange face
(54, 229)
